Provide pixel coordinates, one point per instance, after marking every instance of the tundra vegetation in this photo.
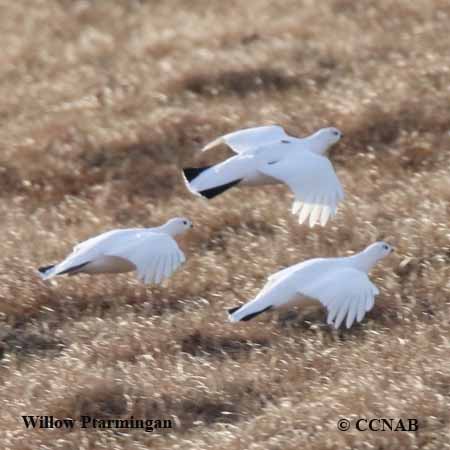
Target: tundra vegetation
(101, 105)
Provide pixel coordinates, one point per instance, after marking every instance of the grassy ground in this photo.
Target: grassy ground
(101, 104)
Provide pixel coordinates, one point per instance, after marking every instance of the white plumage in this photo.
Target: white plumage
(341, 285)
(152, 252)
(267, 155)
(250, 138)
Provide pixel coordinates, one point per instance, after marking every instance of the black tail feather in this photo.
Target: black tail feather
(252, 315)
(45, 268)
(193, 172)
(213, 192)
(232, 310)
(73, 269)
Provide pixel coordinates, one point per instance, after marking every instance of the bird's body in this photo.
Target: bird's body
(152, 252)
(267, 155)
(341, 285)
(243, 167)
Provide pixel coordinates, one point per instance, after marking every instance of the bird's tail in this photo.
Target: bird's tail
(46, 272)
(237, 313)
(191, 173)
(191, 176)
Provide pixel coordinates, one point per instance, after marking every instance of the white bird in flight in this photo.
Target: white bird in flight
(341, 285)
(267, 155)
(152, 252)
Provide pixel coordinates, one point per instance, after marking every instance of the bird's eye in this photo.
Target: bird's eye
(184, 222)
(385, 247)
(336, 133)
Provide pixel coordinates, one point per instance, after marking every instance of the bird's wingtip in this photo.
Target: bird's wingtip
(213, 144)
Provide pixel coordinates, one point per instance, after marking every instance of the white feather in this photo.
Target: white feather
(341, 285)
(310, 177)
(152, 252)
(268, 155)
(248, 139)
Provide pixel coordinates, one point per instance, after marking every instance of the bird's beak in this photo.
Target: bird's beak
(192, 225)
(392, 249)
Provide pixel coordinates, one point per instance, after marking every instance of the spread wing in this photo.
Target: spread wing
(346, 293)
(312, 179)
(155, 255)
(94, 247)
(250, 138)
(104, 240)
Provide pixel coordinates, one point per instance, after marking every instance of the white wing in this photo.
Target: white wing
(89, 250)
(155, 255)
(104, 240)
(250, 138)
(312, 179)
(346, 293)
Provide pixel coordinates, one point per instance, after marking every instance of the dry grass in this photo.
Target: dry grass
(103, 102)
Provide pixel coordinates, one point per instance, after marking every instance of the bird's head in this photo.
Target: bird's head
(379, 250)
(323, 139)
(366, 259)
(177, 225)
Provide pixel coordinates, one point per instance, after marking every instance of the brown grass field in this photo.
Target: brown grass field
(103, 102)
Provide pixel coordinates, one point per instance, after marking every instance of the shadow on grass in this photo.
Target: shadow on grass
(243, 82)
(198, 344)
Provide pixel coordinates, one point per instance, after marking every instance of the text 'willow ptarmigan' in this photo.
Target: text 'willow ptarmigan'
(267, 155)
(341, 285)
(152, 252)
